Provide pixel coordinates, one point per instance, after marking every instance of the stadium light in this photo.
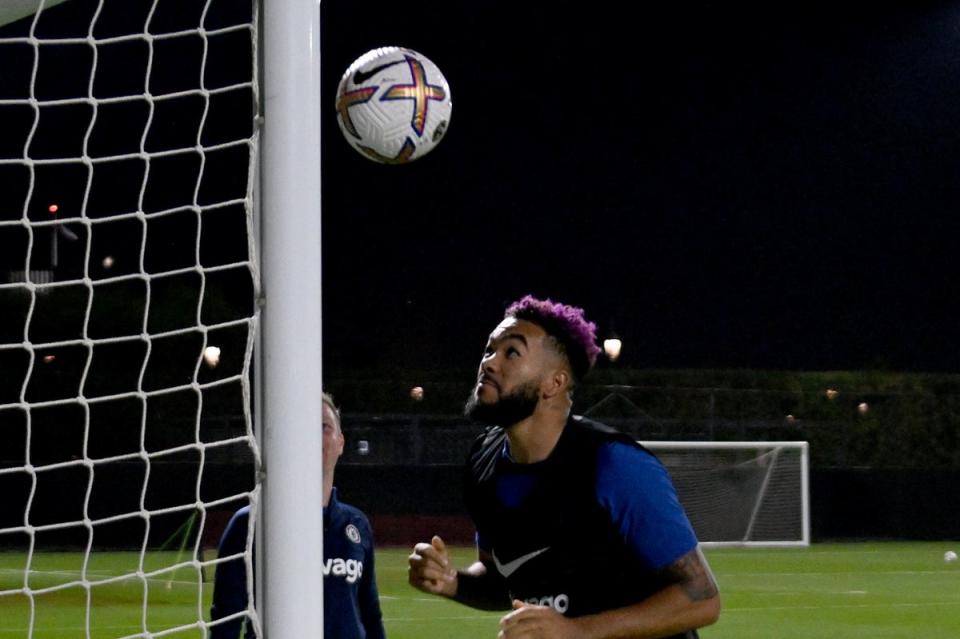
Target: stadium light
(211, 356)
(612, 347)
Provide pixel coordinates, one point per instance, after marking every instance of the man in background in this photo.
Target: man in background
(351, 603)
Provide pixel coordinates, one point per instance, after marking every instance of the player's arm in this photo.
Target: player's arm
(481, 586)
(691, 600)
(478, 586)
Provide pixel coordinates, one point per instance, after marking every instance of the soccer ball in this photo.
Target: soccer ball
(393, 105)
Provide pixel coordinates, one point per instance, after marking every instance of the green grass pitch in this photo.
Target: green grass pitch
(840, 591)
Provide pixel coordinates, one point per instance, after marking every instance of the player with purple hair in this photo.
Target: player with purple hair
(579, 529)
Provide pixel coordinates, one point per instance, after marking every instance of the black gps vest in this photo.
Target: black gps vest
(558, 547)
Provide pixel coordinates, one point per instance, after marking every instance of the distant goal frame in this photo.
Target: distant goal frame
(804, 490)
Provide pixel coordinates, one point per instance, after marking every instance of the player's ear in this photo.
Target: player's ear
(556, 383)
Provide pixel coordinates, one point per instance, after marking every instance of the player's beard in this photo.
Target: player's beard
(507, 410)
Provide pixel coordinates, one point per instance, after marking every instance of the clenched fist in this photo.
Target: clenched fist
(430, 569)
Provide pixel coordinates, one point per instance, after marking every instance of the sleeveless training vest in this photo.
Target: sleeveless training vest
(557, 547)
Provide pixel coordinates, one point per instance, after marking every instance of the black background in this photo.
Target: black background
(736, 184)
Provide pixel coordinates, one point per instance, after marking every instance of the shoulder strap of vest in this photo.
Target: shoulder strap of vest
(598, 431)
(484, 453)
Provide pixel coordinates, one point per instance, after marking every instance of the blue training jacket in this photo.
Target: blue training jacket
(350, 598)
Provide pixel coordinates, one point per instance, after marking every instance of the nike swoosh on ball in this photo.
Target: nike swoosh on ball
(362, 76)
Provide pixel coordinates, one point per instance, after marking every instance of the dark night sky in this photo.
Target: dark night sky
(735, 184)
(745, 184)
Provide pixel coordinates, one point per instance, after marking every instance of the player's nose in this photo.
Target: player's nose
(489, 363)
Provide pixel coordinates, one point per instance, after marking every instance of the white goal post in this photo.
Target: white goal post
(749, 494)
(292, 520)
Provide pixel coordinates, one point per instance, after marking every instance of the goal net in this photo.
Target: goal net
(742, 493)
(128, 276)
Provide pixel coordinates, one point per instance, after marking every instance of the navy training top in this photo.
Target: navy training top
(585, 530)
(350, 597)
(632, 486)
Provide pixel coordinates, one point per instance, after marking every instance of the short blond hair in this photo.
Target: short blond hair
(328, 400)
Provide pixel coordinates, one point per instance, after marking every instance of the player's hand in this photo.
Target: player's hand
(430, 569)
(528, 621)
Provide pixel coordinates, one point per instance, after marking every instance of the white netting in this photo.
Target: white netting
(126, 161)
(741, 493)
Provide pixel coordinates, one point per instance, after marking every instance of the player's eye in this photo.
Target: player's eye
(512, 352)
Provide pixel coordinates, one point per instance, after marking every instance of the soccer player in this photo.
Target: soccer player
(351, 603)
(579, 529)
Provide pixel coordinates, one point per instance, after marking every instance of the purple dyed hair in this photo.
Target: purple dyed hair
(566, 324)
